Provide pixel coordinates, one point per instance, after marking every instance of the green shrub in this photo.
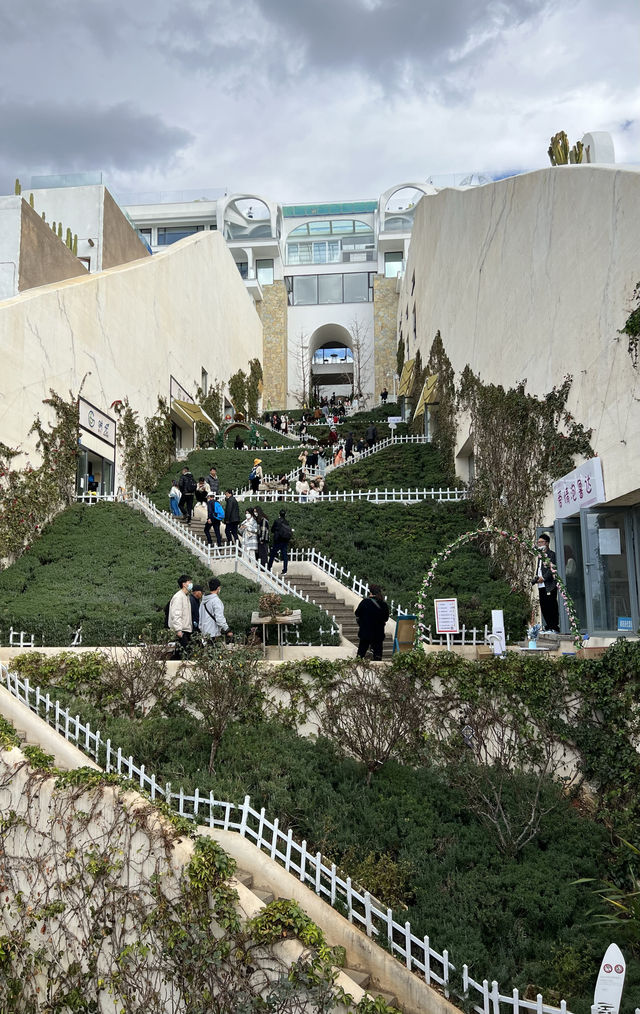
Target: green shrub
(105, 568)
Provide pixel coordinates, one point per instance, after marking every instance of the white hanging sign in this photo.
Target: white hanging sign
(584, 487)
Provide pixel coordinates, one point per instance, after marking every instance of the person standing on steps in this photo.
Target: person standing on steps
(371, 435)
(263, 534)
(372, 615)
(187, 486)
(180, 619)
(545, 579)
(212, 621)
(249, 532)
(213, 481)
(281, 531)
(194, 599)
(174, 499)
(215, 514)
(255, 475)
(231, 516)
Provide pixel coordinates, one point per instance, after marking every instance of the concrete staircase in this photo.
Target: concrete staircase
(344, 614)
(361, 977)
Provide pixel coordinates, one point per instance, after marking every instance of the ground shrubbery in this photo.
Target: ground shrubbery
(400, 467)
(412, 836)
(105, 568)
(393, 545)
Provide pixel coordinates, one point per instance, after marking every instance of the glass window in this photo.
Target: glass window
(393, 264)
(172, 233)
(243, 268)
(356, 288)
(264, 272)
(330, 288)
(305, 290)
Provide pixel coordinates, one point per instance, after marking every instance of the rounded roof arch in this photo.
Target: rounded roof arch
(425, 188)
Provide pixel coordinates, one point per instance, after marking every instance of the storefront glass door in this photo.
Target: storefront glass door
(610, 581)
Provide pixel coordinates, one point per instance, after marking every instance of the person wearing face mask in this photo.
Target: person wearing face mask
(180, 618)
(249, 532)
(545, 580)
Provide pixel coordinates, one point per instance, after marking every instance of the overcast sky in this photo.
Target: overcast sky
(309, 99)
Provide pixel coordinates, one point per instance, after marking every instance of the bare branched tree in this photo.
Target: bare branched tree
(362, 355)
(485, 740)
(372, 713)
(134, 679)
(303, 369)
(223, 686)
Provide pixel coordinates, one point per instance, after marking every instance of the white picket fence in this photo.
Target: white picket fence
(416, 953)
(404, 496)
(208, 554)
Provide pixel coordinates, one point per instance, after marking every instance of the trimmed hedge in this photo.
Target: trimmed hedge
(106, 568)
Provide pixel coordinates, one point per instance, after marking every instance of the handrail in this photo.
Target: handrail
(404, 496)
(311, 868)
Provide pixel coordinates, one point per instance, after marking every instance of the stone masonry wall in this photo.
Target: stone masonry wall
(273, 314)
(385, 313)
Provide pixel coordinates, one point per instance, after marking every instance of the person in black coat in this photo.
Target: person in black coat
(545, 579)
(231, 516)
(372, 615)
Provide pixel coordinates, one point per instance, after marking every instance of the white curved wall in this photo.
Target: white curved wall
(531, 278)
(132, 327)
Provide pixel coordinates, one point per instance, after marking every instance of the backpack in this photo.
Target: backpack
(285, 531)
(166, 614)
(252, 474)
(218, 510)
(189, 484)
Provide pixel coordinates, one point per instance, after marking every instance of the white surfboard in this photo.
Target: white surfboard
(608, 991)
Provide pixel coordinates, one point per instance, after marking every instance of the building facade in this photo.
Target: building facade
(533, 278)
(324, 278)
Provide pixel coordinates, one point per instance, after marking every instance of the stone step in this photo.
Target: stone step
(244, 877)
(265, 896)
(360, 978)
(389, 998)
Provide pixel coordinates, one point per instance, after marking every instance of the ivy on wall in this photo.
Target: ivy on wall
(521, 445)
(632, 327)
(29, 497)
(147, 450)
(444, 412)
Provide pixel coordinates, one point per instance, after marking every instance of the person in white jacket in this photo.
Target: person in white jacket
(180, 620)
(212, 620)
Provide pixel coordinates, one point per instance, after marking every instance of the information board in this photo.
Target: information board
(446, 616)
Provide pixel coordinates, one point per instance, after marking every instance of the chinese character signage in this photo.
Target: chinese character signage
(96, 422)
(584, 487)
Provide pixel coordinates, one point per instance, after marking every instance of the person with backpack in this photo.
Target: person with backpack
(372, 615)
(215, 514)
(187, 486)
(231, 516)
(281, 531)
(255, 475)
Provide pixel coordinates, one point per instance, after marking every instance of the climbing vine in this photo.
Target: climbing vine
(147, 450)
(30, 497)
(253, 388)
(632, 327)
(525, 545)
(521, 445)
(444, 411)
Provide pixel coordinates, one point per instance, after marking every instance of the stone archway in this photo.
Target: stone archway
(464, 540)
(331, 359)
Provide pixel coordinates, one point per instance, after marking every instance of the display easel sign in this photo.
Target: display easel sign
(446, 611)
(608, 991)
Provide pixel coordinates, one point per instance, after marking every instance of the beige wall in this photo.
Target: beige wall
(532, 278)
(128, 329)
(385, 312)
(44, 258)
(273, 311)
(120, 241)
